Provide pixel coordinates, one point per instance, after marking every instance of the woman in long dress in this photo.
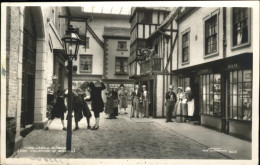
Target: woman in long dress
(122, 94)
(109, 109)
(190, 102)
(180, 97)
(115, 98)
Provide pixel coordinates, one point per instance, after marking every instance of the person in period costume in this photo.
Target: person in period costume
(58, 110)
(170, 103)
(146, 101)
(115, 98)
(136, 98)
(97, 103)
(109, 109)
(190, 102)
(122, 95)
(86, 110)
(77, 106)
(180, 97)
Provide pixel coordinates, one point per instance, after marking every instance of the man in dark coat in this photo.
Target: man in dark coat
(97, 103)
(170, 103)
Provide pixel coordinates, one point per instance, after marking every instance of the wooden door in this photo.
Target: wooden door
(28, 76)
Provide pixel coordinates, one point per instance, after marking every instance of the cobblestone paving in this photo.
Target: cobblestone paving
(121, 138)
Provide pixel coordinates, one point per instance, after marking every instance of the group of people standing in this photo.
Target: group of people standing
(79, 105)
(116, 100)
(140, 98)
(181, 104)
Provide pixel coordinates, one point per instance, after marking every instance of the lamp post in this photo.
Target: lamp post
(71, 42)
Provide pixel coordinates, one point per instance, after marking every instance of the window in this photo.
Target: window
(121, 65)
(121, 45)
(86, 63)
(240, 25)
(184, 82)
(185, 47)
(211, 35)
(240, 95)
(210, 94)
(145, 17)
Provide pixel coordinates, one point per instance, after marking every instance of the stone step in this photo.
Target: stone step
(195, 122)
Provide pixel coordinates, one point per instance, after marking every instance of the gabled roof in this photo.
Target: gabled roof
(166, 22)
(116, 32)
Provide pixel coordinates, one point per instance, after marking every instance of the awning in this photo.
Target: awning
(55, 38)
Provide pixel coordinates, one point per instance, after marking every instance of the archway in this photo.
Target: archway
(34, 57)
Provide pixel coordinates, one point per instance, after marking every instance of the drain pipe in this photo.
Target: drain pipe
(177, 35)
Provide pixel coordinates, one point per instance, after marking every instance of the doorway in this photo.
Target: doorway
(28, 71)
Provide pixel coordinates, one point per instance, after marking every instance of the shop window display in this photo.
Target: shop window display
(210, 94)
(240, 95)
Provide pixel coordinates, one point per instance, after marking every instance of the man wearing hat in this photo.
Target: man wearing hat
(145, 98)
(170, 103)
(136, 97)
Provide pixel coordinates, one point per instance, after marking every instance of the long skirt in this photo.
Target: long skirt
(123, 103)
(115, 108)
(109, 106)
(191, 108)
(177, 108)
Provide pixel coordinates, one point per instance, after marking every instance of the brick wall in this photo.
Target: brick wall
(13, 36)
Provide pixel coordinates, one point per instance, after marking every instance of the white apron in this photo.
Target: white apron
(191, 107)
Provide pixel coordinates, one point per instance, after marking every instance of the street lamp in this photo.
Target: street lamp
(71, 42)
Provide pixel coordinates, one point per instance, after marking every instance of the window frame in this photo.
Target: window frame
(207, 18)
(121, 73)
(229, 83)
(248, 43)
(206, 110)
(186, 32)
(85, 71)
(122, 49)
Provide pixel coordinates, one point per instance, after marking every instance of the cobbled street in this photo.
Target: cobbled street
(121, 138)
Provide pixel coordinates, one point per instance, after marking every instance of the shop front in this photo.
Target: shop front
(223, 94)
(239, 96)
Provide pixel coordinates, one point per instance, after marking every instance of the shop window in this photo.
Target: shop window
(184, 82)
(121, 45)
(210, 94)
(185, 47)
(86, 63)
(121, 65)
(240, 95)
(240, 26)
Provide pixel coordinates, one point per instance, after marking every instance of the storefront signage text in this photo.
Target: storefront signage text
(233, 66)
(204, 71)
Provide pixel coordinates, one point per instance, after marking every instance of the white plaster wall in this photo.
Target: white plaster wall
(159, 96)
(97, 25)
(112, 54)
(196, 24)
